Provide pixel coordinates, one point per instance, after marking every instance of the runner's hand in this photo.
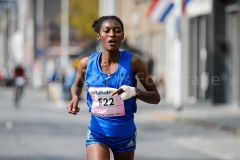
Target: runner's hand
(119, 91)
(125, 92)
(73, 106)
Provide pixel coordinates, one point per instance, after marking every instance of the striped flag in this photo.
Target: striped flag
(159, 9)
(184, 5)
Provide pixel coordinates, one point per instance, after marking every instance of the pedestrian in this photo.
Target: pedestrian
(111, 93)
(20, 80)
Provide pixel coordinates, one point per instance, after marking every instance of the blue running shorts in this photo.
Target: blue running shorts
(116, 144)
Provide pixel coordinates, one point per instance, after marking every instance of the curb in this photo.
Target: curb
(197, 123)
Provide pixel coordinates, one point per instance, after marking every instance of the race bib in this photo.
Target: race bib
(105, 105)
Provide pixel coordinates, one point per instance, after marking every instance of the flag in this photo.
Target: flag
(184, 5)
(159, 9)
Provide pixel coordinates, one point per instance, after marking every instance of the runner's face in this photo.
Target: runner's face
(111, 35)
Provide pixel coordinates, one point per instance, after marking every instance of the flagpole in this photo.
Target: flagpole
(177, 56)
(64, 34)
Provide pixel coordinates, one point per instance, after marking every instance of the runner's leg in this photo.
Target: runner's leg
(98, 152)
(124, 155)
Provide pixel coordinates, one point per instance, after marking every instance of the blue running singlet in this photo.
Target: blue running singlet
(117, 126)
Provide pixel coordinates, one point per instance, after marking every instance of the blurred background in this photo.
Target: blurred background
(190, 48)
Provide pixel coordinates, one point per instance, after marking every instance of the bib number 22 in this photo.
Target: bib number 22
(106, 101)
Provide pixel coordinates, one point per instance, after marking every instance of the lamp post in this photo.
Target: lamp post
(64, 34)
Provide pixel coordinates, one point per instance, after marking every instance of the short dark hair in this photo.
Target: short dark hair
(98, 22)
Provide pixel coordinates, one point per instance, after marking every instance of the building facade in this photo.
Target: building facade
(213, 46)
(207, 67)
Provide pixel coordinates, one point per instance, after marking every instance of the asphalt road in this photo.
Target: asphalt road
(43, 130)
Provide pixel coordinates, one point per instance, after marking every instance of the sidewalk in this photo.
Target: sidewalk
(218, 117)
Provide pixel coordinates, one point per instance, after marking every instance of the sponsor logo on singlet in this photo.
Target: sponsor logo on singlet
(102, 92)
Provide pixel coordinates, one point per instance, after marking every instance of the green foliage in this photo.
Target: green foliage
(82, 13)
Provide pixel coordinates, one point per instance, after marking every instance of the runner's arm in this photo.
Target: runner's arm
(76, 88)
(78, 83)
(150, 95)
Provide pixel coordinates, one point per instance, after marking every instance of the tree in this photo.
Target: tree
(82, 13)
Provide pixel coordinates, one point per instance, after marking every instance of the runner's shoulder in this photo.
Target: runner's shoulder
(136, 63)
(83, 63)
